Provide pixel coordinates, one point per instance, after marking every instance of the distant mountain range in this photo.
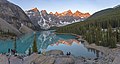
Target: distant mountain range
(44, 20)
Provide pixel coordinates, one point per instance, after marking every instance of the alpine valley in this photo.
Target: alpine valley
(36, 36)
(16, 21)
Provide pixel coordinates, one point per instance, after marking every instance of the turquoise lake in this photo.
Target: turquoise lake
(48, 40)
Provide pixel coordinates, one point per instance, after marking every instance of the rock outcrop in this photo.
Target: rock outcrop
(4, 26)
(55, 52)
(25, 29)
(14, 16)
(60, 59)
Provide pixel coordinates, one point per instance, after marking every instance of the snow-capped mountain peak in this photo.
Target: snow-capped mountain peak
(45, 20)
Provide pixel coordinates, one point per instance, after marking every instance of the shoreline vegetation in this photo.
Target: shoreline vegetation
(95, 34)
(6, 35)
(77, 36)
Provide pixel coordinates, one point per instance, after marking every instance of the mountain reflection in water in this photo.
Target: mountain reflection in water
(48, 40)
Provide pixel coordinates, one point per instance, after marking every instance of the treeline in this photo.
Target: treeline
(102, 28)
(6, 33)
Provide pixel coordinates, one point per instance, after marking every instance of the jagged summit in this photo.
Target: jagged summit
(45, 20)
(35, 9)
(44, 11)
(70, 13)
(67, 13)
(51, 13)
(56, 13)
(80, 14)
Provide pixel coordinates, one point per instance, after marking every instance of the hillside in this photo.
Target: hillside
(110, 15)
(12, 17)
(102, 18)
(101, 28)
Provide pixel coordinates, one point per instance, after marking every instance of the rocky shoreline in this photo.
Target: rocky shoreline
(51, 57)
(110, 56)
(57, 57)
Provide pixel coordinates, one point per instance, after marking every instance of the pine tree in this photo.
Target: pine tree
(15, 43)
(111, 38)
(118, 35)
(34, 47)
(29, 51)
(98, 35)
(113, 42)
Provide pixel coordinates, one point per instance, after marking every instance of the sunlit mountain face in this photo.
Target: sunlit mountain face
(44, 20)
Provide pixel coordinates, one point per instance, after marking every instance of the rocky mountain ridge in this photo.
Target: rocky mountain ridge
(65, 13)
(44, 20)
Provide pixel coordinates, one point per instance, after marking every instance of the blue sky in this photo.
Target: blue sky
(91, 6)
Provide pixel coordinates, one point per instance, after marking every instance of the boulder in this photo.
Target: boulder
(116, 60)
(54, 52)
(64, 60)
(45, 60)
(30, 59)
(3, 59)
(42, 59)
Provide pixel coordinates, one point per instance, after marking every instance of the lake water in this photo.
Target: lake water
(48, 40)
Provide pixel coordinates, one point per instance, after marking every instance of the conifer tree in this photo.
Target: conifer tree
(111, 38)
(15, 43)
(34, 47)
(29, 51)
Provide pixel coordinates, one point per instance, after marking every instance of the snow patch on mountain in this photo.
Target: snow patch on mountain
(43, 20)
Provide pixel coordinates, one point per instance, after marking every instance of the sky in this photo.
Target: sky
(90, 6)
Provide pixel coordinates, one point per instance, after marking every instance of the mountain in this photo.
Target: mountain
(82, 15)
(103, 18)
(44, 20)
(13, 17)
(66, 13)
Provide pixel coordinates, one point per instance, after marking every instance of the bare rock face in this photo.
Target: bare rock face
(55, 52)
(4, 26)
(3, 59)
(64, 60)
(25, 29)
(30, 59)
(14, 15)
(44, 20)
(45, 60)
